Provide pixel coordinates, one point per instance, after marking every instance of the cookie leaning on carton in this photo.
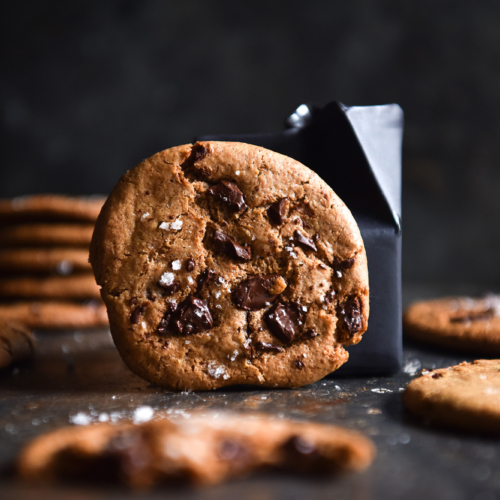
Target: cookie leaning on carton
(225, 263)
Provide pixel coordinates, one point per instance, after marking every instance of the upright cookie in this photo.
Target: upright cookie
(49, 315)
(203, 450)
(226, 263)
(466, 396)
(74, 235)
(51, 207)
(62, 261)
(16, 343)
(456, 322)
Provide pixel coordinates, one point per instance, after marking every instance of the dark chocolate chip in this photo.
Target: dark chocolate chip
(230, 194)
(350, 312)
(204, 278)
(436, 375)
(225, 244)
(277, 211)
(190, 317)
(306, 224)
(253, 293)
(298, 364)
(339, 266)
(304, 241)
(284, 321)
(265, 347)
(329, 296)
(198, 152)
(190, 263)
(310, 334)
(466, 316)
(169, 289)
(138, 312)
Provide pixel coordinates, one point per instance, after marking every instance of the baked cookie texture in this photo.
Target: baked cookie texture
(203, 450)
(470, 324)
(465, 396)
(225, 263)
(16, 343)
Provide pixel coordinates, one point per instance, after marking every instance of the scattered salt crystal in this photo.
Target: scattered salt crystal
(220, 279)
(190, 280)
(187, 342)
(143, 414)
(412, 367)
(254, 237)
(144, 215)
(80, 419)
(167, 279)
(289, 249)
(218, 306)
(143, 324)
(176, 265)
(217, 371)
(177, 225)
(304, 308)
(165, 225)
(237, 172)
(381, 390)
(337, 387)
(293, 254)
(217, 295)
(234, 356)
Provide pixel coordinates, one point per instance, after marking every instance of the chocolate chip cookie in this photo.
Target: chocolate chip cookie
(42, 234)
(225, 263)
(466, 396)
(51, 207)
(16, 343)
(204, 450)
(471, 324)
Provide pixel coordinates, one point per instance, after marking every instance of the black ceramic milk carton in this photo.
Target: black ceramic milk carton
(357, 151)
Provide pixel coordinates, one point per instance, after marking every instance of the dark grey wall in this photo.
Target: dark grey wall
(87, 89)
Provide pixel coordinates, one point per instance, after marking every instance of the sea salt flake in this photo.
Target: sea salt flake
(144, 215)
(167, 279)
(237, 172)
(176, 265)
(165, 225)
(143, 324)
(177, 225)
(304, 308)
(190, 280)
(381, 390)
(412, 367)
(289, 249)
(234, 355)
(293, 254)
(217, 371)
(143, 414)
(80, 418)
(217, 295)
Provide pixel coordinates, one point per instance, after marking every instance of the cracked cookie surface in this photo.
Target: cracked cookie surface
(225, 263)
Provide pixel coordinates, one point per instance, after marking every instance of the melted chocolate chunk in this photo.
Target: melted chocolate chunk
(138, 312)
(230, 194)
(436, 375)
(339, 266)
(190, 317)
(284, 321)
(265, 347)
(304, 241)
(225, 244)
(190, 263)
(310, 334)
(298, 364)
(169, 289)
(277, 211)
(204, 278)
(198, 152)
(466, 316)
(330, 296)
(350, 312)
(253, 293)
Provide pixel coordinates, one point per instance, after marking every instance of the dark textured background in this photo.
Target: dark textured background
(88, 89)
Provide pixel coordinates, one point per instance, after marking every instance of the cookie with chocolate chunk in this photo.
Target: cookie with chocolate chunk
(465, 396)
(16, 343)
(225, 263)
(465, 323)
(205, 449)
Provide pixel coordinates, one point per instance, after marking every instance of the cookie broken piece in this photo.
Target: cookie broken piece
(206, 449)
(16, 343)
(463, 323)
(256, 245)
(465, 396)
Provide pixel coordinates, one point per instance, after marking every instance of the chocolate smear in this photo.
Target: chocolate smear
(266, 347)
(254, 293)
(191, 316)
(190, 263)
(229, 193)
(138, 312)
(304, 241)
(339, 266)
(350, 312)
(277, 211)
(466, 316)
(284, 321)
(204, 278)
(225, 244)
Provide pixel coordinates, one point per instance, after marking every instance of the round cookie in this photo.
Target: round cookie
(466, 396)
(456, 322)
(79, 287)
(226, 263)
(205, 449)
(55, 315)
(16, 343)
(75, 235)
(51, 207)
(62, 261)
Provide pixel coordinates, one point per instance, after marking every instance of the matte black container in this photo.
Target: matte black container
(357, 151)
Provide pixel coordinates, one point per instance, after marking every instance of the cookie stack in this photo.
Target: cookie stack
(45, 278)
